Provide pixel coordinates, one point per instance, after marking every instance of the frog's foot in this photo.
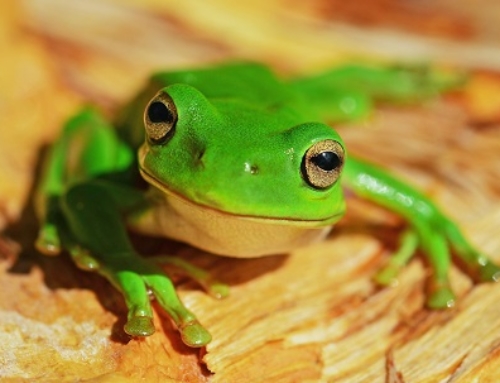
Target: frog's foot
(139, 326)
(48, 241)
(440, 295)
(484, 271)
(437, 244)
(477, 265)
(489, 272)
(136, 278)
(194, 334)
(213, 287)
(83, 259)
(387, 275)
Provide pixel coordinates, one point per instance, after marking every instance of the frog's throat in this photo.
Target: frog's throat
(152, 180)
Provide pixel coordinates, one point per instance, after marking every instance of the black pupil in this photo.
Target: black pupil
(158, 112)
(327, 161)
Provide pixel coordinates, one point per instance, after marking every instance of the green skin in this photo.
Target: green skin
(237, 146)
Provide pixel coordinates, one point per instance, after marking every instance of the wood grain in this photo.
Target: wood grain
(310, 316)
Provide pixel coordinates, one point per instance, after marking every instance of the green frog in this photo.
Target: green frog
(238, 162)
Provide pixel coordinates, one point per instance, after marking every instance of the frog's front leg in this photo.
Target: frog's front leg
(431, 231)
(87, 185)
(92, 211)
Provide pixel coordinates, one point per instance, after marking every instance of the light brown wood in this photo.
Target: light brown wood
(310, 316)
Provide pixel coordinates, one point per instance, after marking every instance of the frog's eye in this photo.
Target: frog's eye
(160, 117)
(322, 164)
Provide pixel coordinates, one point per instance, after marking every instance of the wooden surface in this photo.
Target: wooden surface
(310, 316)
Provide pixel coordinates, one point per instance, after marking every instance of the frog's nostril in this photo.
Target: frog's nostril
(199, 158)
(251, 168)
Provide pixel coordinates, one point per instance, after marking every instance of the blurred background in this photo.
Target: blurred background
(58, 52)
(56, 55)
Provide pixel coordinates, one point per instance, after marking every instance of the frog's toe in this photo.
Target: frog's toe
(194, 334)
(48, 241)
(218, 290)
(139, 326)
(489, 272)
(387, 276)
(441, 297)
(83, 259)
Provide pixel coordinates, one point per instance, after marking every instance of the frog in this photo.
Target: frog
(237, 161)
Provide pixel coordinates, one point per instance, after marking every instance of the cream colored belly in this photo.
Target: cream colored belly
(226, 234)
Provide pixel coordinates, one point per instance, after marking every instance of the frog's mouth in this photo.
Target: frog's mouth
(154, 181)
(276, 220)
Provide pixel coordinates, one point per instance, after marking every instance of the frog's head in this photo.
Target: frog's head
(242, 158)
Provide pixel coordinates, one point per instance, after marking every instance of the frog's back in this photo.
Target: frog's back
(247, 81)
